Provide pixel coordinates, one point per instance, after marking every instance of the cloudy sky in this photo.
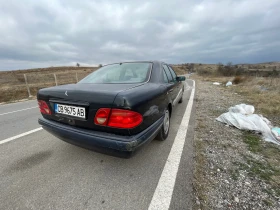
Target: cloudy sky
(47, 33)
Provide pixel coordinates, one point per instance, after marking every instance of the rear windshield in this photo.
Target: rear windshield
(120, 73)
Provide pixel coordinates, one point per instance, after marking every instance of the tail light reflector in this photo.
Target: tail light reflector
(117, 118)
(44, 108)
(102, 116)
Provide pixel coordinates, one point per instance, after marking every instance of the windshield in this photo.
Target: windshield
(120, 73)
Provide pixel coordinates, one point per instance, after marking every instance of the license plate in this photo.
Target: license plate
(70, 110)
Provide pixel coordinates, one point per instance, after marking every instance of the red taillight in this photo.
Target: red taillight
(44, 108)
(102, 116)
(124, 119)
(119, 118)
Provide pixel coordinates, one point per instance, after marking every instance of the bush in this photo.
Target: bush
(238, 80)
(229, 70)
(202, 71)
(239, 71)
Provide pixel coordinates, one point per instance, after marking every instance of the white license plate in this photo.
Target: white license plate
(70, 110)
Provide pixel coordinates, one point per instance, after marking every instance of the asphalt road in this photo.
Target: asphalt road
(39, 171)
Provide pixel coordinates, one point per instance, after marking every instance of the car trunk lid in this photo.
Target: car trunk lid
(88, 96)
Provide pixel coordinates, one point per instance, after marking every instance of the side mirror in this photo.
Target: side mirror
(181, 78)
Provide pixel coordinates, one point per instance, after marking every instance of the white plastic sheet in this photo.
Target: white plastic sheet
(216, 83)
(229, 83)
(241, 116)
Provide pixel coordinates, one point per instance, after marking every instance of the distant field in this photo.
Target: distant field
(261, 69)
(13, 86)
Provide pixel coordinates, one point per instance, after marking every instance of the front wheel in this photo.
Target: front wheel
(164, 131)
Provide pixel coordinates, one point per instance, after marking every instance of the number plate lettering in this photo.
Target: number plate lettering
(70, 110)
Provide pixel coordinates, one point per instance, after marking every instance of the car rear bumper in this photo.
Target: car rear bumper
(101, 141)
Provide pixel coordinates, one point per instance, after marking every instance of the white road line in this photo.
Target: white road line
(19, 110)
(20, 135)
(164, 190)
(15, 103)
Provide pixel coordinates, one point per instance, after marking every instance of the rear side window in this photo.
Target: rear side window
(173, 73)
(120, 73)
(169, 76)
(164, 77)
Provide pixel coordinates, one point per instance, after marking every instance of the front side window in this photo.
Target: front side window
(120, 73)
(173, 73)
(169, 76)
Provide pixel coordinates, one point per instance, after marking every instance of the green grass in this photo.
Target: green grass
(263, 170)
(234, 174)
(252, 141)
(255, 168)
(268, 170)
(267, 202)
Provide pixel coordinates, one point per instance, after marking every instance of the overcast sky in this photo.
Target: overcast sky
(43, 33)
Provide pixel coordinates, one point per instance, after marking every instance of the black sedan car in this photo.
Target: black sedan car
(115, 109)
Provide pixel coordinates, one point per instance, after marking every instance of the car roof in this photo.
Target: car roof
(146, 61)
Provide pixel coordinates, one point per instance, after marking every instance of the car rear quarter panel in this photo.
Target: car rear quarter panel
(149, 100)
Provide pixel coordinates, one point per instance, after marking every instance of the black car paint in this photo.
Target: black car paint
(90, 96)
(150, 99)
(104, 142)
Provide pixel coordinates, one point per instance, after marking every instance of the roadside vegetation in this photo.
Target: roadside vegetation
(13, 85)
(259, 83)
(236, 169)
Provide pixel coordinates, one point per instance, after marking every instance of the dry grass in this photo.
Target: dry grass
(13, 87)
(199, 174)
(262, 92)
(179, 70)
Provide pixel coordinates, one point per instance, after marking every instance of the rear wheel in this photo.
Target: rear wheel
(164, 131)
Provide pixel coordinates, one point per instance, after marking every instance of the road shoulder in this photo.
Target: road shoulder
(232, 168)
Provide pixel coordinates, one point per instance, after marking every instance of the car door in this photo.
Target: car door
(177, 87)
(171, 82)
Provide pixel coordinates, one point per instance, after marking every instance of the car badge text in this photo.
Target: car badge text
(66, 93)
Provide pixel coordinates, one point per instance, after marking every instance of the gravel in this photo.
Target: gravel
(220, 180)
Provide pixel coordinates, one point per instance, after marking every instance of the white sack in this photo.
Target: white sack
(241, 116)
(229, 83)
(242, 109)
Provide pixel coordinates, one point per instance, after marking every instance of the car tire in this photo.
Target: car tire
(164, 131)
